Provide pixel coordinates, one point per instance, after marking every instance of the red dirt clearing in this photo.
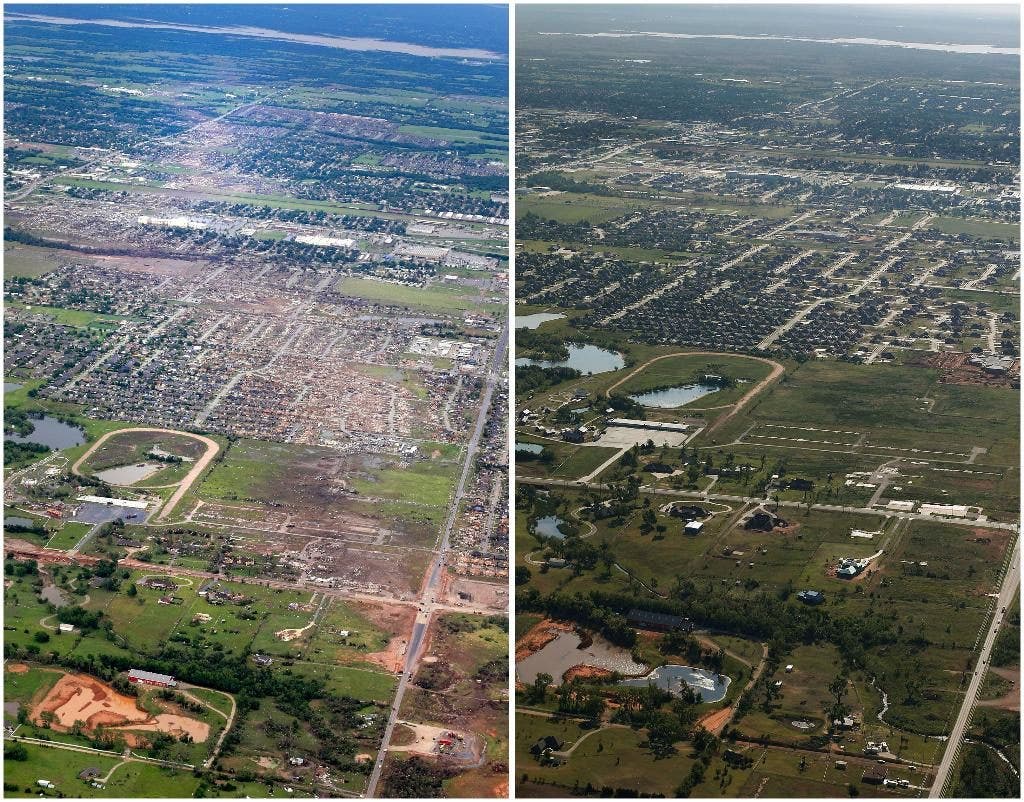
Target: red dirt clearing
(78, 697)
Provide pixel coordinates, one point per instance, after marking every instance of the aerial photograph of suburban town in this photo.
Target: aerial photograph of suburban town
(766, 411)
(256, 461)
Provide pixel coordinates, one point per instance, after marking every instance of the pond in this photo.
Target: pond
(129, 474)
(563, 653)
(53, 594)
(10, 387)
(14, 520)
(533, 321)
(674, 396)
(533, 448)
(710, 686)
(51, 432)
(584, 358)
(548, 527)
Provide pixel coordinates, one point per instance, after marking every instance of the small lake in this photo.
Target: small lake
(14, 520)
(533, 321)
(53, 594)
(671, 678)
(674, 396)
(532, 448)
(584, 358)
(129, 474)
(10, 387)
(51, 432)
(563, 653)
(548, 527)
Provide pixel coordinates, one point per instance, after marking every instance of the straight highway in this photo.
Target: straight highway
(434, 582)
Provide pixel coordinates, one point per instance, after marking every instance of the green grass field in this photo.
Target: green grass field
(433, 298)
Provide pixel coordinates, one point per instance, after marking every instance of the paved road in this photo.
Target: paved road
(911, 516)
(436, 575)
(1006, 593)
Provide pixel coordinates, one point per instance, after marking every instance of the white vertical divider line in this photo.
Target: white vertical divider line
(511, 392)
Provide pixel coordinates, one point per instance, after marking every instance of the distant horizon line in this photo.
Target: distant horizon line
(361, 44)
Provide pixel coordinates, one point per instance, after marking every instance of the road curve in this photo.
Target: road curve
(777, 370)
(212, 447)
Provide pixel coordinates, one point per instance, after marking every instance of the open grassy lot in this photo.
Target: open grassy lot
(128, 447)
(425, 483)
(434, 298)
(327, 644)
(983, 229)
(68, 535)
(246, 470)
(570, 461)
(28, 687)
(682, 370)
(29, 260)
(367, 684)
(72, 317)
(885, 402)
(614, 757)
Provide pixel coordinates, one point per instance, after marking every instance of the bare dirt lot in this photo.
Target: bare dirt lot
(476, 593)
(396, 619)
(78, 697)
(955, 368)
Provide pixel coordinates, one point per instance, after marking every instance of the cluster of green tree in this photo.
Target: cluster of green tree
(1006, 649)
(18, 421)
(705, 745)
(588, 790)
(579, 698)
(75, 113)
(532, 378)
(541, 346)
(685, 645)
(532, 226)
(984, 775)
(317, 217)
(552, 179)
(34, 527)
(763, 616)
(668, 719)
(545, 455)
(415, 778)
(586, 612)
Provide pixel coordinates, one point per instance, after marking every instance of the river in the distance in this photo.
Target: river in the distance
(943, 47)
(339, 42)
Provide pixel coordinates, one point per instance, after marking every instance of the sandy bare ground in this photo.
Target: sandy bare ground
(174, 725)
(78, 697)
(426, 738)
(212, 447)
(1011, 699)
(777, 371)
(17, 668)
(291, 634)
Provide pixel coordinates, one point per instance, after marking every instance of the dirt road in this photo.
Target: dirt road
(212, 447)
(777, 371)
